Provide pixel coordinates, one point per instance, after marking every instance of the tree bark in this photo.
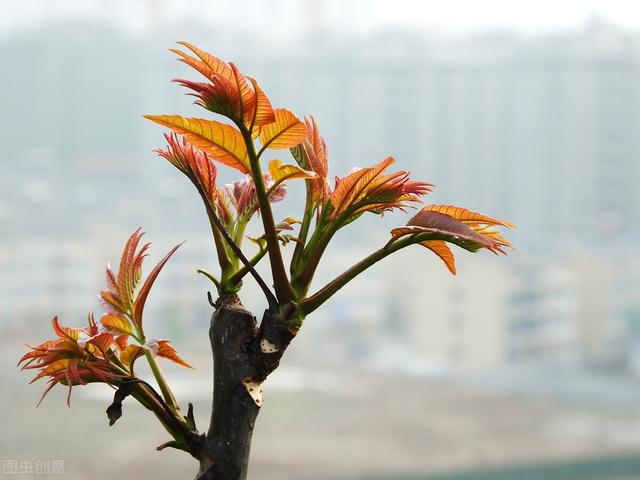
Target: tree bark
(243, 356)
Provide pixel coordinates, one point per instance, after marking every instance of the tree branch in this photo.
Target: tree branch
(182, 429)
(311, 303)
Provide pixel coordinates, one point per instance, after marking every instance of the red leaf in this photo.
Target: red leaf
(194, 163)
(138, 306)
(471, 237)
(443, 227)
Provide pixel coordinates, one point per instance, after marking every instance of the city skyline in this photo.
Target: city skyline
(530, 358)
(518, 127)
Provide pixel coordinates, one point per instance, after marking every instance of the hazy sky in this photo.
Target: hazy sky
(465, 15)
(289, 16)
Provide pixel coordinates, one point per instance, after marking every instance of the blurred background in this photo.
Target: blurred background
(523, 366)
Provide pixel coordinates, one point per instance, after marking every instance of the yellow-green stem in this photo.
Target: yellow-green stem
(304, 228)
(167, 394)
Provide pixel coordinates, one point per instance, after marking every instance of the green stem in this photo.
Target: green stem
(241, 225)
(211, 277)
(326, 228)
(239, 275)
(283, 289)
(314, 301)
(167, 394)
(313, 253)
(304, 228)
(238, 236)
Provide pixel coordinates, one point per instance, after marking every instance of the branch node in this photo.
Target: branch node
(190, 418)
(170, 443)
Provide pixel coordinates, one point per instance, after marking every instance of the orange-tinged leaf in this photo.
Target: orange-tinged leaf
(138, 306)
(221, 141)
(194, 163)
(177, 152)
(281, 172)
(67, 347)
(101, 341)
(286, 131)
(121, 342)
(130, 354)
(443, 227)
(467, 216)
(130, 268)
(479, 223)
(117, 324)
(206, 64)
(246, 95)
(442, 250)
(48, 352)
(36, 352)
(229, 92)
(318, 158)
(432, 225)
(262, 112)
(163, 349)
(371, 190)
(54, 367)
(494, 235)
(354, 187)
(312, 155)
(65, 332)
(77, 356)
(111, 301)
(220, 97)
